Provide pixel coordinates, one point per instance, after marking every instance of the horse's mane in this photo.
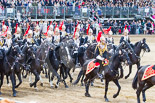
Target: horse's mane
(136, 44)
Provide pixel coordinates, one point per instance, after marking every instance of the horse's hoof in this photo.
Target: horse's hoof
(31, 84)
(66, 86)
(82, 84)
(8, 84)
(107, 100)
(56, 86)
(115, 95)
(14, 94)
(92, 84)
(71, 80)
(36, 89)
(126, 77)
(87, 95)
(41, 84)
(16, 86)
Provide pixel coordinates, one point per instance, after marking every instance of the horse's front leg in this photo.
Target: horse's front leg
(12, 77)
(62, 73)
(139, 90)
(20, 80)
(147, 86)
(36, 74)
(69, 74)
(44, 68)
(87, 83)
(121, 72)
(2, 77)
(7, 78)
(106, 90)
(119, 88)
(130, 70)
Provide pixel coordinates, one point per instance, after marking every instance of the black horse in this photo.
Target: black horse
(53, 66)
(7, 65)
(110, 71)
(137, 48)
(143, 84)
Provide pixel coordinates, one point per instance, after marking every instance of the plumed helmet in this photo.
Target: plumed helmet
(18, 29)
(63, 27)
(102, 38)
(110, 32)
(30, 32)
(9, 32)
(50, 32)
(37, 27)
(57, 29)
(78, 27)
(90, 30)
(77, 34)
(126, 31)
(51, 27)
(4, 27)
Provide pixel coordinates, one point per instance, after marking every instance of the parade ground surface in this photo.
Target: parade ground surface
(75, 94)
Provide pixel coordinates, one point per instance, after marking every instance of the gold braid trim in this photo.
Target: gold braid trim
(1, 43)
(102, 50)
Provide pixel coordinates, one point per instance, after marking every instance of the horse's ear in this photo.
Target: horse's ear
(144, 40)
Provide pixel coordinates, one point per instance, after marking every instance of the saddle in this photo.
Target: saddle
(149, 72)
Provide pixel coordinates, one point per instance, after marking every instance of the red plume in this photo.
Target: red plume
(5, 33)
(75, 29)
(106, 30)
(3, 23)
(88, 29)
(125, 27)
(16, 27)
(47, 31)
(27, 30)
(60, 27)
(99, 36)
(55, 28)
(109, 29)
(50, 22)
(37, 23)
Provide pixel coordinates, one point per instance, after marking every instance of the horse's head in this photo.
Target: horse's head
(16, 50)
(53, 55)
(145, 47)
(31, 51)
(123, 55)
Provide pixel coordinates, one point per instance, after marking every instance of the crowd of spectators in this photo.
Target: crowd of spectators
(24, 7)
(135, 27)
(92, 3)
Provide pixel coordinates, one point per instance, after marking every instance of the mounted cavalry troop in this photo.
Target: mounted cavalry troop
(57, 54)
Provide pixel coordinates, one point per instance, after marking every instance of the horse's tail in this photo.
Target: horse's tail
(79, 76)
(134, 83)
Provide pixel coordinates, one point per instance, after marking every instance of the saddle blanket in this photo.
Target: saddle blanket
(149, 72)
(91, 65)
